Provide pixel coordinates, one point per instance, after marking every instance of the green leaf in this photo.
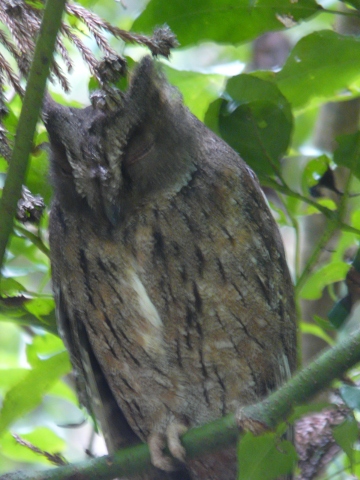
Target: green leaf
(223, 21)
(346, 435)
(37, 179)
(42, 438)
(12, 117)
(347, 153)
(21, 246)
(325, 202)
(354, 3)
(28, 393)
(40, 307)
(256, 122)
(264, 457)
(10, 287)
(317, 331)
(351, 396)
(331, 273)
(212, 115)
(3, 165)
(301, 411)
(355, 219)
(245, 89)
(62, 390)
(319, 65)
(198, 89)
(323, 323)
(36, 4)
(93, 84)
(314, 170)
(43, 346)
(11, 376)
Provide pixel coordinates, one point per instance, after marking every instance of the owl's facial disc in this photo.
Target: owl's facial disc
(140, 153)
(140, 144)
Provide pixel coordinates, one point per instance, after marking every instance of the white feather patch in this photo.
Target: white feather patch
(150, 333)
(147, 308)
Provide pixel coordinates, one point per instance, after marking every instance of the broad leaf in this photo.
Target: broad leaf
(257, 122)
(28, 393)
(264, 457)
(331, 273)
(197, 89)
(223, 21)
(348, 152)
(319, 65)
(42, 438)
(346, 435)
(351, 396)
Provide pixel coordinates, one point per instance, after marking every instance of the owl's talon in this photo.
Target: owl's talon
(157, 443)
(174, 431)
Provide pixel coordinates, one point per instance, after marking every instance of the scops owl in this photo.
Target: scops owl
(172, 290)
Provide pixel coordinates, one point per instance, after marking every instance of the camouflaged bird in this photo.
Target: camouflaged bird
(172, 290)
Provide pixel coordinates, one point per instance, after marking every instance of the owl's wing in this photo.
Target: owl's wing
(93, 390)
(95, 394)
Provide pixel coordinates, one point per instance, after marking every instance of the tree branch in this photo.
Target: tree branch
(269, 413)
(39, 72)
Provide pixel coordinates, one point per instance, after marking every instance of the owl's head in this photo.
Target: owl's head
(110, 161)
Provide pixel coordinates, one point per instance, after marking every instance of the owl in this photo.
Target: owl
(172, 291)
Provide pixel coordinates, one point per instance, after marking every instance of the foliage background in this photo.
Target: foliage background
(271, 118)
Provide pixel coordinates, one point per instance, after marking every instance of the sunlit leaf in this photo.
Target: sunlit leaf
(10, 287)
(313, 329)
(325, 202)
(326, 275)
(40, 306)
(11, 376)
(28, 393)
(43, 346)
(62, 390)
(354, 3)
(42, 438)
(314, 170)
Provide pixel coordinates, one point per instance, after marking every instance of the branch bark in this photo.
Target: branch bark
(269, 413)
(39, 72)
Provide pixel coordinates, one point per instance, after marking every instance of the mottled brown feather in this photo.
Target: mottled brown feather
(170, 278)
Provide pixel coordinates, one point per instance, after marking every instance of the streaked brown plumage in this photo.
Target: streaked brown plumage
(172, 289)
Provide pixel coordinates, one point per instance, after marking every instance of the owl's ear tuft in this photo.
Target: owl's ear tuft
(141, 75)
(149, 89)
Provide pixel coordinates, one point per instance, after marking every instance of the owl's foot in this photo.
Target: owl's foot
(171, 439)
